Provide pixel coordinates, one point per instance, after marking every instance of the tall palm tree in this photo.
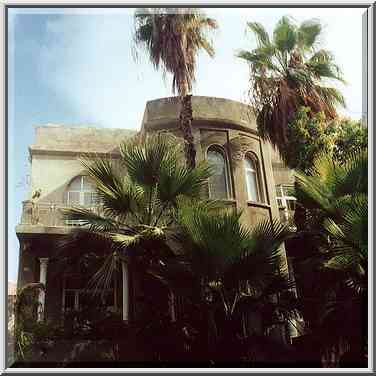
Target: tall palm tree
(173, 37)
(231, 271)
(287, 71)
(138, 195)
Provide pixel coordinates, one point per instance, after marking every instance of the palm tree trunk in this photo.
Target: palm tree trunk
(185, 123)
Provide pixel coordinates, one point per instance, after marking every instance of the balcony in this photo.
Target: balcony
(48, 214)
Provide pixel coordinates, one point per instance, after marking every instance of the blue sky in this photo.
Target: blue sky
(75, 67)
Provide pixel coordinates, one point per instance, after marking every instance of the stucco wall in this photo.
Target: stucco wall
(51, 174)
(55, 154)
(231, 125)
(162, 113)
(78, 139)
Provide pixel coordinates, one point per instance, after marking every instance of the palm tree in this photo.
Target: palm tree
(335, 192)
(138, 195)
(335, 271)
(230, 270)
(288, 71)
(173, 37)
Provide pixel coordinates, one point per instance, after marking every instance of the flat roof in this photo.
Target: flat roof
(63, 138)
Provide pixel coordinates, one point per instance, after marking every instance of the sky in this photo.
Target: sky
(76, 67)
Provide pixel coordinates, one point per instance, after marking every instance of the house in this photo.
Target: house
(249, 176)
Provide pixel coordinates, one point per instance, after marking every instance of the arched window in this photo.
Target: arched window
(219, 182)
(252, 179)
(81, 191)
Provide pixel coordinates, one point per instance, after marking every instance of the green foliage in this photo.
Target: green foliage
(350, 136)
(330, 181)
(232, 270)
(31, 337)
(310, 135)
(139, 196)
(333, 275)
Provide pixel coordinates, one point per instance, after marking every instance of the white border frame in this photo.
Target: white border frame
(370, 117)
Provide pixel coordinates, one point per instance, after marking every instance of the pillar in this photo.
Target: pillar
(172, 304)
(124, 268)
(42, 294)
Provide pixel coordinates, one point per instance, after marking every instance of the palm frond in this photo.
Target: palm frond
(176, 180)
(308, 33)
(143, 161)
(262, 259)
(329, 180)
(90, 219)
(260, 33)
(138, 234)
(284, 35)
(118, 195)
(100, 281)
(172, 39)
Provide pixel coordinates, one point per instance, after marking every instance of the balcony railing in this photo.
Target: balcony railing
(48, 214)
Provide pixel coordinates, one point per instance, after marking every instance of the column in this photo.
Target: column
(115, 291)
(42, 294)
(172, 303)
(292, 324)
(124, 268)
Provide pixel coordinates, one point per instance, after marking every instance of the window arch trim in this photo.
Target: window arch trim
(253, 158)
(228, 186)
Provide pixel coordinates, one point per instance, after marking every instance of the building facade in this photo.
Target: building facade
(249, 176)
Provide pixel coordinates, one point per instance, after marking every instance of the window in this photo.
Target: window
(286, 204)
(219, 182)
(82, 192)
(285, 197)
(76, 297)
(252, 179)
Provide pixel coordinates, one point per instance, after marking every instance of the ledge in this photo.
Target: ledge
(77, 153)
(42, 229)
(227, 201)
(164, 112)
(258, 205)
